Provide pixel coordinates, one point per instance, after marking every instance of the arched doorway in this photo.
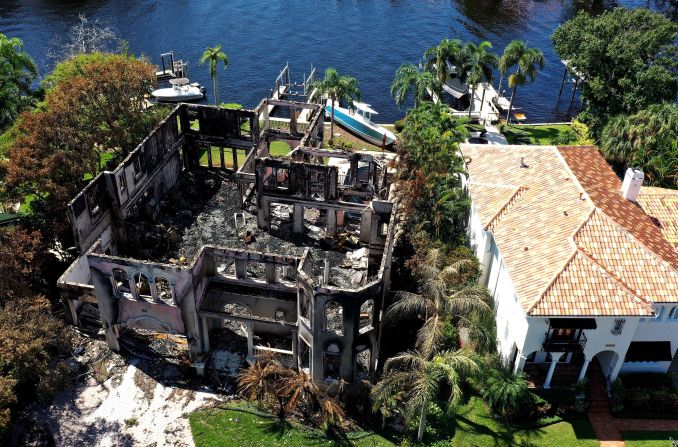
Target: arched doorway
(603, 365)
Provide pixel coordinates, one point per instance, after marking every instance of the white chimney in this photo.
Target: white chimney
(633, 180)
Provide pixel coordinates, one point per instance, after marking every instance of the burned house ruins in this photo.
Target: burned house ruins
(202, 232)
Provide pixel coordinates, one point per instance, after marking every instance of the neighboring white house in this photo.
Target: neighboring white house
(577, 268)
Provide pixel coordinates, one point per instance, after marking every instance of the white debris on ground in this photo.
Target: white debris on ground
(117, 404)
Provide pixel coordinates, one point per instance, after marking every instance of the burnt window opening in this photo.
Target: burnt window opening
(237, 326)
(142, 286)
(93, 201)
(245, 126)
(122, 183)
(164, 291)
(305, 306)
(121, 282)
(366, 315)
(383, 229)
(280, 315)
(137, 168)
(256, 270)
(304, 356)
(362, 362)
(225, 266)
(334, 317)
(282, 178)
(332, 362)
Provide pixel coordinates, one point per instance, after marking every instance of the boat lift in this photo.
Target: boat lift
(570, 76)
(284, 87)
(170, 68)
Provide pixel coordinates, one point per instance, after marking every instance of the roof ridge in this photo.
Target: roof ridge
(493, 185)
(622, 283)
(509, 202)
(553, 280)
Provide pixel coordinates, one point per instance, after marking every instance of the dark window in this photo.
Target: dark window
(136, 166)
(649, 351)
(93, 200)
(122, 181)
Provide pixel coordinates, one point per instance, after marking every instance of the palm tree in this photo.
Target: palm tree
(528, 60)
(412, 79)
(439, 58)
(299, 390)
(337, 88)
(476, 66)
(214, 55)
(255, 381)
(437, 300)
(505, 391)
(419, 378)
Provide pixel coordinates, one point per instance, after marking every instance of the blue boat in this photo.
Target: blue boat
(359, 122)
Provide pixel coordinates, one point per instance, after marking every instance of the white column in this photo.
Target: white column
(520, 364)
(584, 367)
(555, 356)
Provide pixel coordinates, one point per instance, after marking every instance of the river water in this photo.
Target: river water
(367, 39)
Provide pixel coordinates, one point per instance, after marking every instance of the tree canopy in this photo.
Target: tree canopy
(17, 72)
(648, 140)
(95, 104)
(627, 59)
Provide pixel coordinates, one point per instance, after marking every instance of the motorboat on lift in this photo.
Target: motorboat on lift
(180, 91)
(359, 122)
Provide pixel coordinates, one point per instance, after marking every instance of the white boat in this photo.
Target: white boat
(180, 91)
(359, 121)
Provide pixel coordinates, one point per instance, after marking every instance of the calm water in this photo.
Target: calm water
(368, 39)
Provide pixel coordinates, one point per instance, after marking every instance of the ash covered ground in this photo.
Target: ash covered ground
(200, 210)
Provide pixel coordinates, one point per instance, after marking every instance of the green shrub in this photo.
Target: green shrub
(618, 394)
(399, 125)
(565, 138)
(231, 105)
(647, 380)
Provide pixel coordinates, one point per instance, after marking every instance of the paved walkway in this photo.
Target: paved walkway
(608, 429)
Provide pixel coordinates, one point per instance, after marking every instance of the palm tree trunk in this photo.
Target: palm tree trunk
(216, 93)
(482, 101)
(508, 114)
(501, 79)
(422, 421)
(470, 107)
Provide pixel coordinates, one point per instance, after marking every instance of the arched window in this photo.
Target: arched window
(332, 362)
(142, 286)
(673, 313)
(334, 317)
(163, 290)
(366, 315)
(362, 362)
(121, 283)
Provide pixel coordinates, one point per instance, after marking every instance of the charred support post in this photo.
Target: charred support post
(298, 219)
(108, 309)
(331, 227)
(264, 214)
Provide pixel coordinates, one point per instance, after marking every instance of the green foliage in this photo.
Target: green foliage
(414, 80)
(526, 60)
(648, 140)
(337, 88)
(77, 66)
(506, 392)
(648, 438)
(231, 105)
(627, 58)
(214, 56)
(399, 125)
(618, 394)
(17, 71)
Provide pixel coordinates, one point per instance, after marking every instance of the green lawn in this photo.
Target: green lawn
(241, 425)
(474, 427)
(648, 438)
(545, 135)
(279, 149)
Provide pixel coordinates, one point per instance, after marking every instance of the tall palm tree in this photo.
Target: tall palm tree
(476, 66)
(419, 378)
(412, 79)
(337, 88)
(214, 56)
(438, 59)
(527, 60)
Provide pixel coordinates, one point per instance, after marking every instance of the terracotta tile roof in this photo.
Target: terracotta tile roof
(570, 294)
(563, 235)
(603, 185)
(662, 205)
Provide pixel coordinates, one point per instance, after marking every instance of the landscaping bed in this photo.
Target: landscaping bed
(644, 396)
(648, 438)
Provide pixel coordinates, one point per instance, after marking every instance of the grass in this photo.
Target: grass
(474, 427)
(648, 438)
(237, 425)
(544, 135)
(279, 149)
